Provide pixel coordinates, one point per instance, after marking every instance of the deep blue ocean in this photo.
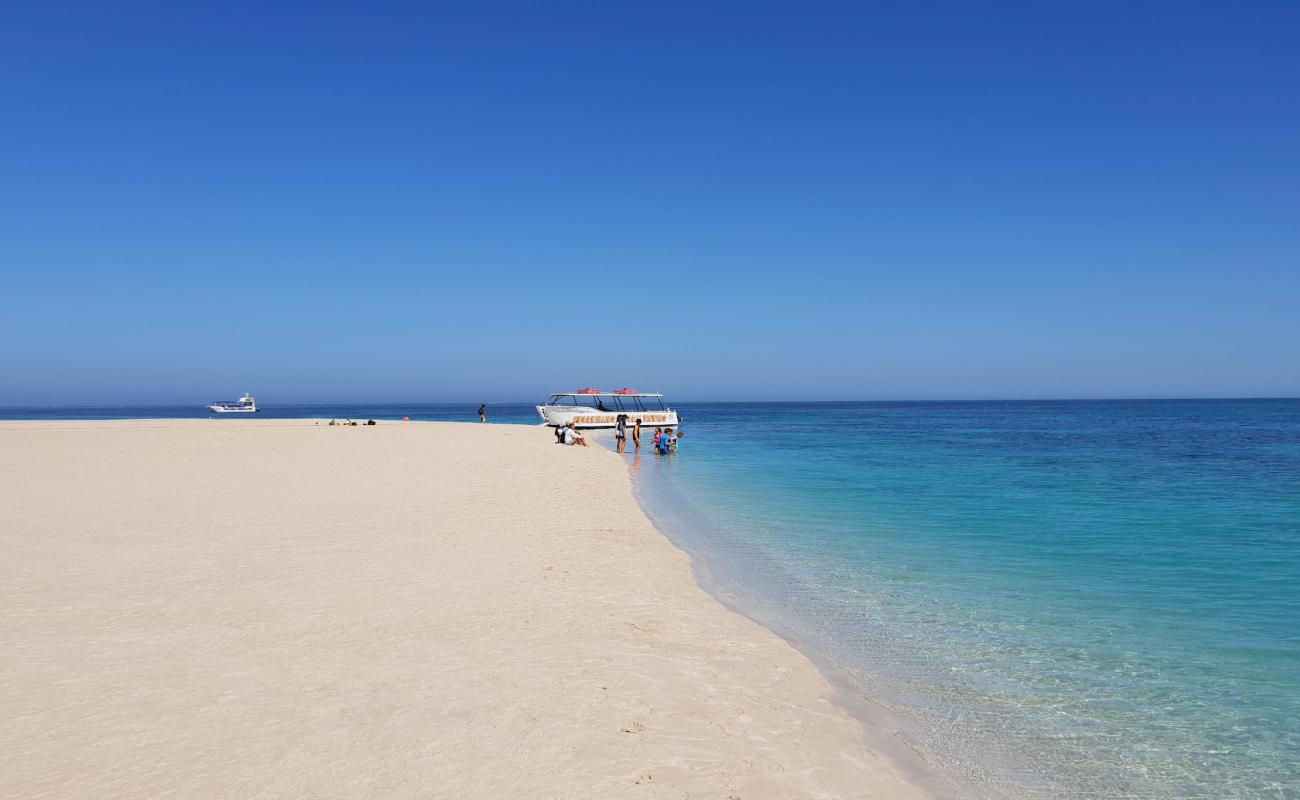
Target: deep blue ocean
(1047, 599)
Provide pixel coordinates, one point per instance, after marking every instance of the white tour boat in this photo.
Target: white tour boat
(592, 408)
(244, 405)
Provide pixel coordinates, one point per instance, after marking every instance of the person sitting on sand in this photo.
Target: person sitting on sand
(370, 422)
(574, 436)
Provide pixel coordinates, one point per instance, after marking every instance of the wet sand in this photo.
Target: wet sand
(271, 608)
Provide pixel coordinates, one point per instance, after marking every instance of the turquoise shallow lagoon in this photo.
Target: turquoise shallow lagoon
(1065, 599)
(1058, 599)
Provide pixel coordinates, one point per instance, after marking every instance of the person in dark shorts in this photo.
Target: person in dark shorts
(482, 413)
(620, 431)
(636, 433)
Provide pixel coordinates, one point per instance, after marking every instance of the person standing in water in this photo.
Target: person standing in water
(636, 433)
(620, 431)
(482, 413)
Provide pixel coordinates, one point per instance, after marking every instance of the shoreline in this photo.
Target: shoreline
(881, 726)
(692, 695)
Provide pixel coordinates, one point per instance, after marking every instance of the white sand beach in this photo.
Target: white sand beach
(275, 608)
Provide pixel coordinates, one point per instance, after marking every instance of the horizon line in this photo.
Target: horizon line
(1115, 399)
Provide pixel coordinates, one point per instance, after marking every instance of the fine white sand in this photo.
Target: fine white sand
(248, 608)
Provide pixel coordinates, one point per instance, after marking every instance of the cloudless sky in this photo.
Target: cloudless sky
(493, 201)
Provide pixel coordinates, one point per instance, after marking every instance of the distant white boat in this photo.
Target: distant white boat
(244, 405)
(592, 408)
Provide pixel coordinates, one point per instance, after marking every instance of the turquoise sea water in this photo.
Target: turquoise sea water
(1065, 599)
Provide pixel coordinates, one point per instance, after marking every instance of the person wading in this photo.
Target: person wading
(620, 432)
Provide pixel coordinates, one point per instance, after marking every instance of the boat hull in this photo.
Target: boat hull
(591, 418)
(220, 410)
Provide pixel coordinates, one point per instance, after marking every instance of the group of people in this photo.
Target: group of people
(664, 439)
(568, 434)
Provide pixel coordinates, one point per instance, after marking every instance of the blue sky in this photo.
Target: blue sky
(397, 202)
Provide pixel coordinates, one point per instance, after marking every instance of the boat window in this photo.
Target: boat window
(585, 400)
(610, 402)
(632, 402)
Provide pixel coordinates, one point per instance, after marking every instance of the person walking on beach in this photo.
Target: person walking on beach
(620, 431)
(482, 413)
(636, 433)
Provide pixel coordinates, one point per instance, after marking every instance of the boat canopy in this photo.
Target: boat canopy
(599, 393)
(622, 400)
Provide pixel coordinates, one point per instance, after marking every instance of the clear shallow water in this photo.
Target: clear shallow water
(1075, 600)
(1084, 600)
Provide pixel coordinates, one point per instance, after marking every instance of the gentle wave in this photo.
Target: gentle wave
(1072, 600)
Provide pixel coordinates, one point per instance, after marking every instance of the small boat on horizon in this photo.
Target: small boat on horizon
(593, 408)
(244, 405)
